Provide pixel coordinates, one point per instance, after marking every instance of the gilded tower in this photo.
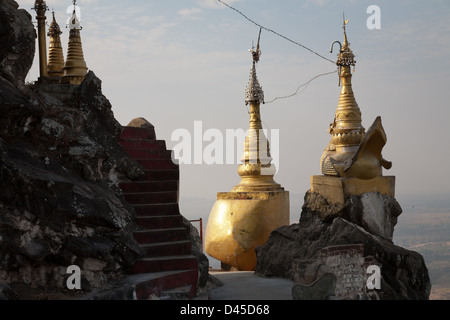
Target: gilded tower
(41, 7)
(75, 68)
(352, 163)
(55, 51)
(256, 170)
(349, 153)
(243, 219)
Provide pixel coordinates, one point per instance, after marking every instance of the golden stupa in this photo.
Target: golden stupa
(75, 68)
(243, 219)
(55, 52)
(352, 163)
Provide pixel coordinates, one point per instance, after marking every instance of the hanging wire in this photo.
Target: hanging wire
(276, 33)
(303, 87)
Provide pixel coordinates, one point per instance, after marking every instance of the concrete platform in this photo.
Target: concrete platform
(247, 286)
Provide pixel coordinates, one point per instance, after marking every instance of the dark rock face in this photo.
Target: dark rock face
(296, 252)
(17, 38)
(60, 164)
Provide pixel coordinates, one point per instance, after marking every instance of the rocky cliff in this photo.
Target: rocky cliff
(60, 164)
(344, 246)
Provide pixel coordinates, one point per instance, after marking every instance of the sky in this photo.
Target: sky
(179, 62)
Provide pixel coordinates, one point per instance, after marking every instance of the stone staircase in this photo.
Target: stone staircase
(161, 234)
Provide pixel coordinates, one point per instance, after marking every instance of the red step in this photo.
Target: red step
(156, 209)
(162, 175)
(149, 186)
(158, 264)
(143, 144)
(162, 249)
(151, 197)
(158, 164)
(160, 222)
(138, 133)
(160, 235)
(145, 154)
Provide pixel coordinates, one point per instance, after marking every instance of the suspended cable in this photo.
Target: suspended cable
(303, 87)
(276, 33)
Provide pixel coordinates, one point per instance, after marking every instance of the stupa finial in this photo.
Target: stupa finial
(55, 51)
(254, 91)
(346, 56)
(74, 21)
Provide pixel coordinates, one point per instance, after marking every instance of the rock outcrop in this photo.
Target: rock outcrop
(345, 246)
(17, 38)
(60, 165)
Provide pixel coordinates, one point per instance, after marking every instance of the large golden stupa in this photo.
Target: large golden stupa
(243, 219)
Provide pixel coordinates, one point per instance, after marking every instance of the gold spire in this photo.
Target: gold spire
(257, 171)
(347, 129)
(55, 52)
(351, 152)
(41, 7)
(75, 68)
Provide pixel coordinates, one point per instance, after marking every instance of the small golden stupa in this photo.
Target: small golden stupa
(75, 68)
(55, 52)
(243, 219)
(352, 163)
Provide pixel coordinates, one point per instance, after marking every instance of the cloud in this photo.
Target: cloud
(214, 4)
(191, 13)
(27, 4)
(320, 3)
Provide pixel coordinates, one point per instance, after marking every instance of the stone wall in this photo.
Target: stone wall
(350, 267)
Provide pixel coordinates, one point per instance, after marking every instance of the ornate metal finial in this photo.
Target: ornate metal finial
(54, 28)
(40, 5)
(254, 91)
(346, 56)
(345, 29)
(257, 54)
(74, 21)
